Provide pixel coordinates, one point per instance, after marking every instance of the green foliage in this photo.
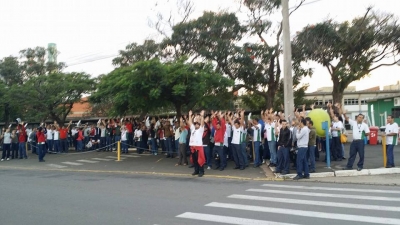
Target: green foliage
(134, 53)
(149, 85)
(350, 50)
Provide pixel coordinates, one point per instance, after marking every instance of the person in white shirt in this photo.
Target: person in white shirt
(271, 131)
(6, 137)
(237, 136)
(124, 140)
(196, 143)
(336, 129)
(49, 139)
(256, 142)
(302, 136)
(391, 135)
(360, 131)
(56, 140)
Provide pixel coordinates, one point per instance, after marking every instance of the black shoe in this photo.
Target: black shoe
(306, 177)
(312, 171)
(297, 177)
(191, 166)
(216, 168)
(237, 167)
(388, 167)
(347, 168)
(200, 174)
(42, 160)
(241, 168)
(221, 169)
(359, 169)
(195, 173)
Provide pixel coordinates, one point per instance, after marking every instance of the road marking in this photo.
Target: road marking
(228, 219)
(319, 203)
(303, 213)
(390, 199)
(132, 156)
(100, 159)
(332, 189)
(113, 157)
(87, 161)
(56, 166)
(73, 163)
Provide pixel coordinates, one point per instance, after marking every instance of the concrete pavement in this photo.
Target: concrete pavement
(64, 198)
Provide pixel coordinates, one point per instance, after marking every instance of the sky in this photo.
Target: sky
(89, 33)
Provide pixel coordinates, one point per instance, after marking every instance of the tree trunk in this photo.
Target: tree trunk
(178, 109)
(337, 93)
(270, 96)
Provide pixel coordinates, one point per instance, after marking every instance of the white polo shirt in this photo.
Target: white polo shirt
(270, 131)
(336, 125)
(56, 135)
(392, 128)
(359, 129)
(49, 135)
(196, 136)
(257, 132)
(237, 135)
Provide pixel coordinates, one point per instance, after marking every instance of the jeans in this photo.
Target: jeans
(56, 144)
(86, 140)
(154, 148)
(79, 145)
(109, 143)
(237, 155)
(266, 151)
(6, 151)
(14, 150)
(34, 148)
(356, 146)
(311, 151)
(222, 157)
(22, 150)
(102, 142)
(207, 152)
(64, 145)
(168, 145)
(124, 146)
(336, 150)
(257, 161)
(182, 154)
(116, 139)
(302, 164)
(389, 155)
(49, 145)
(244, 153)
(342, 150)
(41, 151)
(272, 150)
(176, 146)
(283, 159)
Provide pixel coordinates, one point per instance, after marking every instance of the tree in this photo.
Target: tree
(350, 50)
(134, 53)
(51, 96)
(10, 71)
(148, 85)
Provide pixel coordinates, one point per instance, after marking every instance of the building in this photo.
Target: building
(354, 101)
(379, 108)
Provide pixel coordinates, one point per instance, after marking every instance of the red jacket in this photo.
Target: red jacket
(219, 133)
(80, 136)
(22, 134)
(40, 137)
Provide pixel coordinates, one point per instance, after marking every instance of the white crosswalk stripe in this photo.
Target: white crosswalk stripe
(87, 161)
(72, 163)
(56, 166)
(101, 159)
(291, 202)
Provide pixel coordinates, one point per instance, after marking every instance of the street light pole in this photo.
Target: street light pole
(287, 62)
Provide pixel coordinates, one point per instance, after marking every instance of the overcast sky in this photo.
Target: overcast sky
(89, 33)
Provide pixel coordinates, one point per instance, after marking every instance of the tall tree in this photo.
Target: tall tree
(149, 85)
(10, 71)
(134, 53)
(350, 50)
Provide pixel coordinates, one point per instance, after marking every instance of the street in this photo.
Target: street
(41, 197)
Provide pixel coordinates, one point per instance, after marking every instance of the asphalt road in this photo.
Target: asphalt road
(62, 197)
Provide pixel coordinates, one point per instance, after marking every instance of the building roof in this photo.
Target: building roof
(367, 91)
(80, 108)
(384, 97)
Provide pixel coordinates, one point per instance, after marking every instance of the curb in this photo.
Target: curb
(141, 173)
(342, 173)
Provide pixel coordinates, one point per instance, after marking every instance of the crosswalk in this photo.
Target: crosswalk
(284, 204)
(94, 160)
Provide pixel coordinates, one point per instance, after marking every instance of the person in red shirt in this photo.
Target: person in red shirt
(218, 123)
(79, 140)
(41, 140)
(129, 128)
(21, 140)
(64, 137)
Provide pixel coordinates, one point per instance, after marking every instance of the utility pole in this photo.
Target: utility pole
(287, 62)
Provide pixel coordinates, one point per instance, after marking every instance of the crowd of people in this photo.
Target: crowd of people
(210, 140)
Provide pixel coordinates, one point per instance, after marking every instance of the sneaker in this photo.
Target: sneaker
(209, 168)
(8, 159)
(2, 160)
(297, 177)
(264, 161)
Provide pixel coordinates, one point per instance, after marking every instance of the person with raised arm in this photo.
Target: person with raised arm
(196, 143)
(218, 122)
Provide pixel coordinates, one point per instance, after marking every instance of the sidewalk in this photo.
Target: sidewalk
(373, 164)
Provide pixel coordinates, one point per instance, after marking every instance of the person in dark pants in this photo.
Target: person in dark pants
(284, 144)
(302, 135)
(391, 133)
(360, 131)
(218, 123)
(336, 129)
(237, 129)
(41, 140)
(196, 143)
